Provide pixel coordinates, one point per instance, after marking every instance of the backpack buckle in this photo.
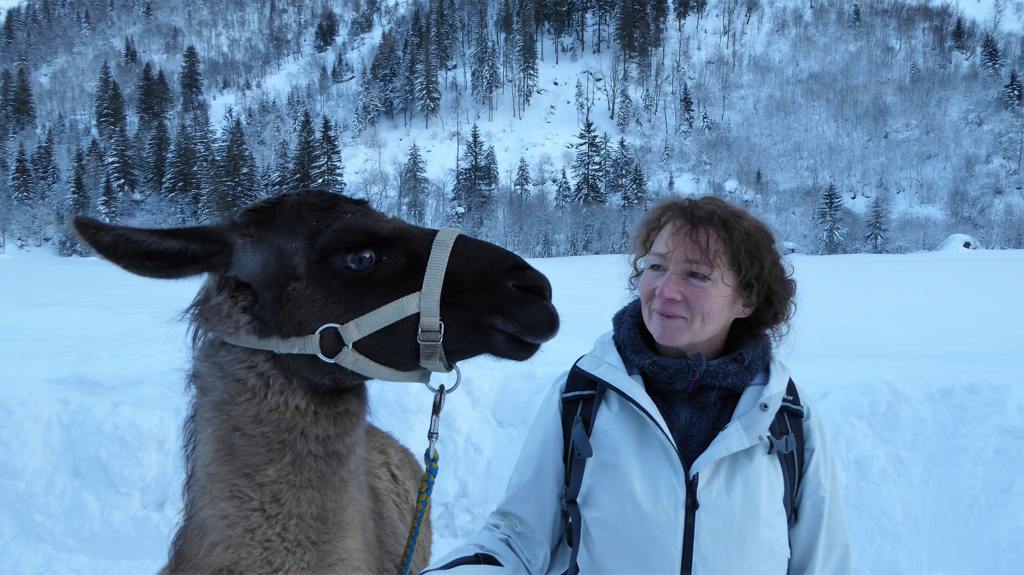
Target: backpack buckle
(784, 444)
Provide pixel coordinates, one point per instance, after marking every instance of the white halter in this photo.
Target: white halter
(426, 302)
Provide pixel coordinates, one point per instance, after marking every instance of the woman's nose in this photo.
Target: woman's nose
(669, 287)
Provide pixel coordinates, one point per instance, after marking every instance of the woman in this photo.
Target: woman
(680, 478)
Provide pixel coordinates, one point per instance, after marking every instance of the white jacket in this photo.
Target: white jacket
(633, 495)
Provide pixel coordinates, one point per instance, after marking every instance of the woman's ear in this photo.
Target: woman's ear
(167, 254)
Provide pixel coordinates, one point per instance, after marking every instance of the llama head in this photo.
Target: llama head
(289, 264)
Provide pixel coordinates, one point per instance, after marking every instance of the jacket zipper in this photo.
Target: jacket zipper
(690, 518)
(688, 525)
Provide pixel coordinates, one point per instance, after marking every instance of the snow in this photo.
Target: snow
(909, 359)
(958, 242)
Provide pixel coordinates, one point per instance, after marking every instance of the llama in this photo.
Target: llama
(284, 472)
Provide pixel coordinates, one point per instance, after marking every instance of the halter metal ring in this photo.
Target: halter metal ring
(319, 330)
(458, 380)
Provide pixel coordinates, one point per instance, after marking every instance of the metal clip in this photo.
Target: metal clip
(435, 420)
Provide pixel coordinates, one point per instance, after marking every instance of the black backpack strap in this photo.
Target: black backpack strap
(580, 399)
(787, 441)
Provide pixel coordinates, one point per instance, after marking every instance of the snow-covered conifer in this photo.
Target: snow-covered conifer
(306, 155)
(191, 81)
(521, 185)
(991, 58)
(877, 235)
(328, 170)
(412, 187)
(107, 205)
(829, 221)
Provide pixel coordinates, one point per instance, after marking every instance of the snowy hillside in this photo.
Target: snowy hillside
(914, 362)
(183, 111)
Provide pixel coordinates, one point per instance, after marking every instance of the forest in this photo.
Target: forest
(879, 127)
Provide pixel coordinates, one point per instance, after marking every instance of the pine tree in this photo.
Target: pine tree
(485, 75)
(114, 112)
(22, 181)
(635, 196)
(428, 92)
(368, 106)
(624, 110)
(506, 27)
(6, 97)
(191, 82)
(525, 55)
(163, 100)
(1013, 92)
(129, 55)
(237, 184)
(326, 30)
(412, 188)
(155, 161)
(991, 58)
(407, 89)
(95, 164)
(384, 72)
(204, 144)
(44, 169)
(855, 15)
(686, 108)
(328, 171)
(828, 217)
(102, 95)
(582, 103)
(78, 195)
(152, 97)
(282, 168)
(341, 70)
(441, 34)
(305, 157)
(473, 185)
(182, 185)
(619, 170)
(587, 190)
(490, 174)
(521, 185)
(120, 167)
(144, 104)
(22, 107)
(108, 202)
(563, 191)
(876, 237)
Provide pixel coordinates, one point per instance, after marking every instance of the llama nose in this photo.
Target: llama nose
(531, 282)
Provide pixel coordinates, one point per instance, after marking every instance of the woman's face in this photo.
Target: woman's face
(688, 302)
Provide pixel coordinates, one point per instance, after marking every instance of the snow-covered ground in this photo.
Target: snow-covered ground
(914, 361)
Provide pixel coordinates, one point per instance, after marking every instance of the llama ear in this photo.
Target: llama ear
(166, 254)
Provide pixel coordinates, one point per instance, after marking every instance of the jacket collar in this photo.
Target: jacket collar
(750, 420)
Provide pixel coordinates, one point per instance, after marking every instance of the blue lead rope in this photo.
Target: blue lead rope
(430, 458)
(422, 508)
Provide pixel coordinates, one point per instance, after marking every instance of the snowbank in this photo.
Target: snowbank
(918, 379)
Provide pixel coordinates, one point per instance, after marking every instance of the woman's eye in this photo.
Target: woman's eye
(699, 276)
(361, 261)
(655, 267)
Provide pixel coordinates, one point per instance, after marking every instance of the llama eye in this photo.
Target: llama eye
(359, 262)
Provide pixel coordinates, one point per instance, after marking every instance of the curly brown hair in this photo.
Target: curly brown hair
(746, 246)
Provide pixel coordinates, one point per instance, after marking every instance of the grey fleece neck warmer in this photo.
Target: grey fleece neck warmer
(695, 396)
